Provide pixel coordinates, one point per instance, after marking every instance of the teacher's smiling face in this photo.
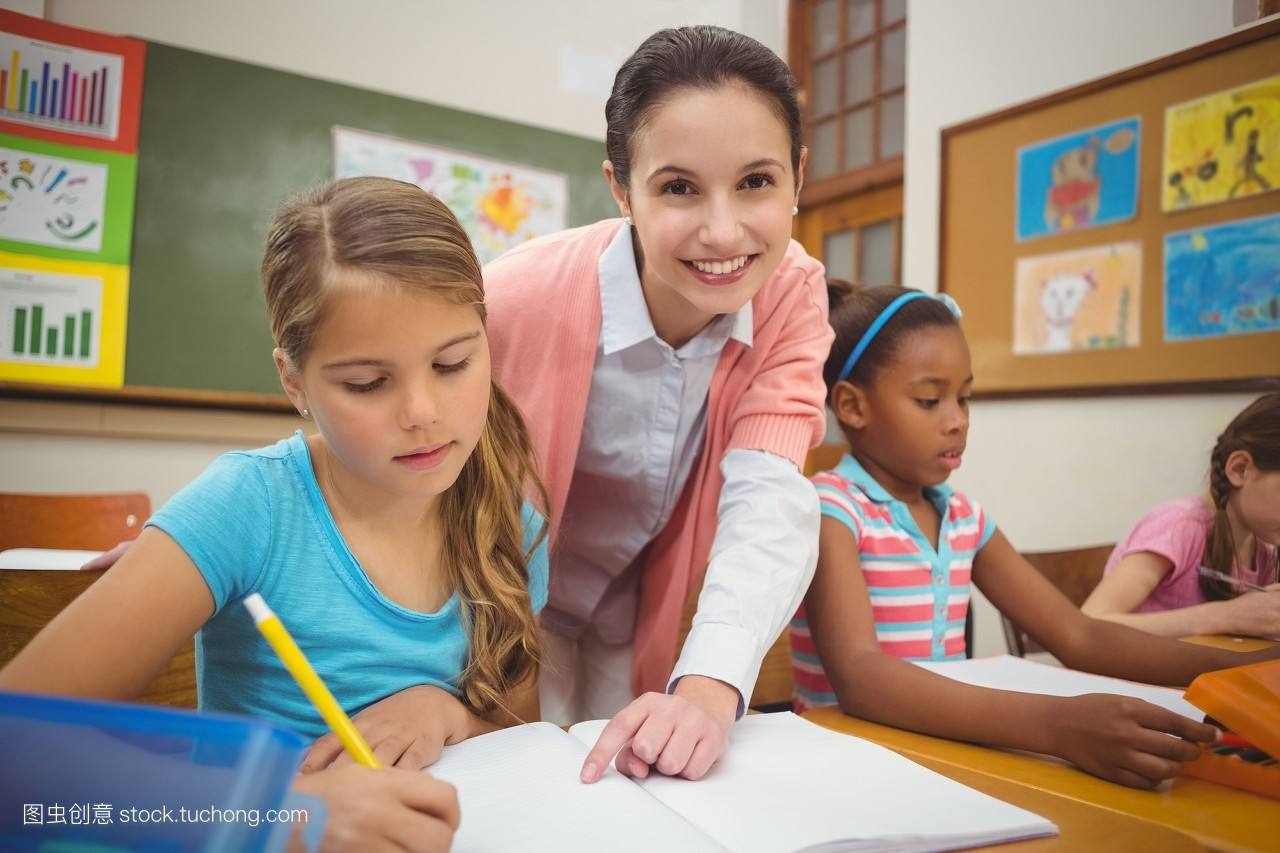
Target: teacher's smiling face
(711, 191)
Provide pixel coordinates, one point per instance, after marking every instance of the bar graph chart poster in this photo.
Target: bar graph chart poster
(65, 202)
(62, 322)
(68, 85)
(499, 204)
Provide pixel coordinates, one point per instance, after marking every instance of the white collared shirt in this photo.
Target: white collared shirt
(644, 427)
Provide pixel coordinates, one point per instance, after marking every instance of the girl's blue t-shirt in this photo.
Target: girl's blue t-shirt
(256, 521)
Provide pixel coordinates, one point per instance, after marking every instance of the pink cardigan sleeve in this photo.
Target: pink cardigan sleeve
(783, 410)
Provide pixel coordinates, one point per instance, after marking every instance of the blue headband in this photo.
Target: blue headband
(884, 317)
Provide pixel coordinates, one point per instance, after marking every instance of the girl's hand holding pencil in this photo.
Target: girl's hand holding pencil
(1257, 611)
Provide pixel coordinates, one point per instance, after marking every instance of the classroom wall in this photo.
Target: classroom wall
(544, 63)
(1053, 473)
(548, 63)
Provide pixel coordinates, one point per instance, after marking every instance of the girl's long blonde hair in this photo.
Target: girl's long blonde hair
(403, 235)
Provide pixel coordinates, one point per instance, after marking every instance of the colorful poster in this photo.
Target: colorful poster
(499, 204)
(1222, 280)
(65, 202)
(1223, 146)
(1082, 300)
(69, 103)
(62, 321)
(67, 85)
(1082, 180)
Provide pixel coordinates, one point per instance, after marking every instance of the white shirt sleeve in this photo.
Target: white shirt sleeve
(762, 560)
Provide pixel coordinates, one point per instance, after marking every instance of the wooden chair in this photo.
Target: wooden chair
(30, 599)
(1075, 572)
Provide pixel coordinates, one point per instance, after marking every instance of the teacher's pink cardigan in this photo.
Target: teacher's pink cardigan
(543, 300)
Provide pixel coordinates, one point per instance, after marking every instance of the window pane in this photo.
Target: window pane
(859, 18)
(824, 87)
(826, 26)
(822, 159)
(857, 138)
(891, 126)
(858, 73)
(894, 10)
(877, 253)
(893, 59)
(837, 255)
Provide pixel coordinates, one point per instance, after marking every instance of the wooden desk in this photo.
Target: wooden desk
(1235, 644)
(30, 599)
(1218, 817)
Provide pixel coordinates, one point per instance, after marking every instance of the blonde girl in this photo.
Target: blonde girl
(394, 542)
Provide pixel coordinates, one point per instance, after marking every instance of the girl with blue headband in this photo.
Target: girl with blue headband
(899, 548)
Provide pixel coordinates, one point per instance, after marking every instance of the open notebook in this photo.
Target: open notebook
(785, 784)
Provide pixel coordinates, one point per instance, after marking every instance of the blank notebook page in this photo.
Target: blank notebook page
(519, 790)
(1005, 672)
(787, 784)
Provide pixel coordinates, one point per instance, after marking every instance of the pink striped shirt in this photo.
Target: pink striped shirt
(919, 595)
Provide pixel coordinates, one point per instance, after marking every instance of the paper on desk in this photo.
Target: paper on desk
(45, 559)
(1005, 672)
(787, 784)
(519, 790)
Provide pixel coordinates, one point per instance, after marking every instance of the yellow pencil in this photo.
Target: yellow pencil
(300, 668)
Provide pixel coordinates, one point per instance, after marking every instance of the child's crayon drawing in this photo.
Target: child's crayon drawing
(1080, 180)
(1082, 300)
(499, 204)
(1222, 280)
(1223, 146)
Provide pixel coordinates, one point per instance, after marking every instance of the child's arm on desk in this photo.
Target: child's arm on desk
(1134, 577)
(1115, 737)
(1092, 645)
(121, 632)
(410, 728)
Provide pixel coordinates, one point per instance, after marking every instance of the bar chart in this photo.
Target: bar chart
(59, 87)
(50, 318)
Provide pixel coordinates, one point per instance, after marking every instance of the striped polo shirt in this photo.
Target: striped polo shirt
(919, 595)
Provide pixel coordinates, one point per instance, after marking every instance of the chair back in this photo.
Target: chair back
(1075, 572)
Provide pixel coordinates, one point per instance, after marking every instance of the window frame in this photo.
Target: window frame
(880, 171)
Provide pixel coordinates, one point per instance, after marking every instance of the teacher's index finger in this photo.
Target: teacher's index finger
(617, 734)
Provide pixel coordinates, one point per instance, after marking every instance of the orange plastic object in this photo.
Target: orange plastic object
(1245, 699)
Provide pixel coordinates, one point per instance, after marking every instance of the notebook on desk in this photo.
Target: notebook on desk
(784, 784)
(1005, 672)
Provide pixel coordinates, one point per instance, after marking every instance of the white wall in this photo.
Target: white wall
(1053, 473)
(548, 63)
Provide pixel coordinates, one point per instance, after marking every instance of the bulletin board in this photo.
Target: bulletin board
(1009, 257)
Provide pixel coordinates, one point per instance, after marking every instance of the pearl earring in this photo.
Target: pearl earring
(627, 219)
(306, 413)
(794, 210)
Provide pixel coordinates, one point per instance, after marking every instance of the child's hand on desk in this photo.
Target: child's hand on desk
(388, 809)
(407, 729)
(1256, 613)
(679, 734)
(1126, 740)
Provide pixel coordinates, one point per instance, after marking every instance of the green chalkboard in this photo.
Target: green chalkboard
(222, 143)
